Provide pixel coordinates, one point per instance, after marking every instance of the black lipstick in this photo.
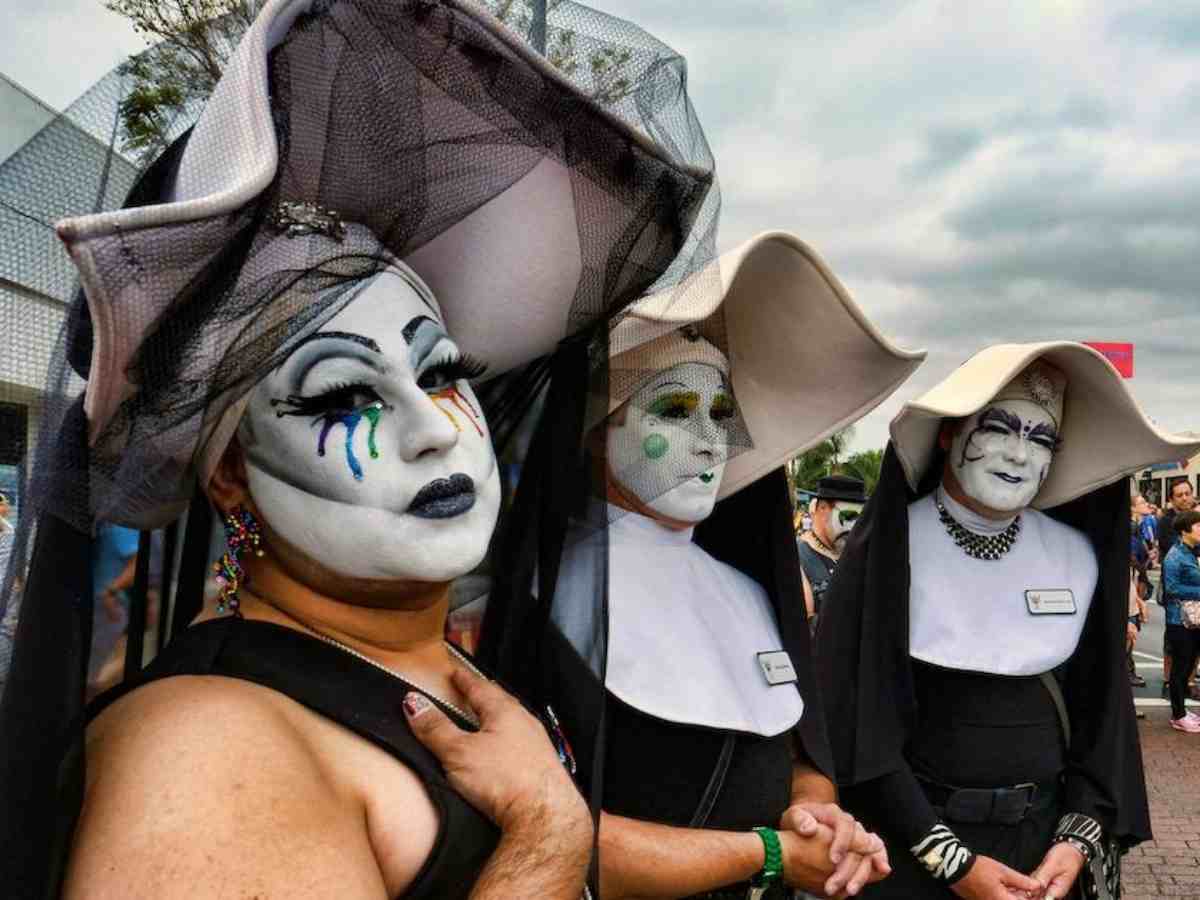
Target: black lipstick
(444, 498)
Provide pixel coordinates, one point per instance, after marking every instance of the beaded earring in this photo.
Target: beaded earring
(241, 534)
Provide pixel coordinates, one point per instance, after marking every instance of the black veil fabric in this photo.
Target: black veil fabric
(865, 672)
(752, 531)
(518, 642)
(645, 205)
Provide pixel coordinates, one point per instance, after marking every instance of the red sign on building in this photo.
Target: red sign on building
(1120, 355)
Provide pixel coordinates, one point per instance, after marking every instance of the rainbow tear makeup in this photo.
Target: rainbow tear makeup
(460, 403)
(327, 414)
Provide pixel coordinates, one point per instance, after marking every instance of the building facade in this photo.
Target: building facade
(51, 166)
(1156, 482)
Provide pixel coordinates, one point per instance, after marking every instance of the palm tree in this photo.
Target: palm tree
(865, 465)
(805, 470)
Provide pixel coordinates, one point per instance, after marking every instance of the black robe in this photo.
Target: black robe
(865, 672)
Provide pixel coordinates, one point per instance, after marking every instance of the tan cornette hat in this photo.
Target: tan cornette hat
(1105, 434)
(788, 323)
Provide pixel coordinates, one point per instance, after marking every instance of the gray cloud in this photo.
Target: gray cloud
(946, 148)
(1175, 24)
(973, 173)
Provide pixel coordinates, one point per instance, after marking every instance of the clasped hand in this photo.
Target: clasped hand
(990, 879)
(826, 850)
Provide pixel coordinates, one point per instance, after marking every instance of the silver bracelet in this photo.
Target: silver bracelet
(1081, 832)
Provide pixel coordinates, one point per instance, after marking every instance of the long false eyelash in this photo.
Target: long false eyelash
(723, 408)
(337, 397)
(463, 366)
(676, 405)
(1054, 446)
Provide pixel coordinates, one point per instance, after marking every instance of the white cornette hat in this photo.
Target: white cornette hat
(788, 323)
(1105, 434)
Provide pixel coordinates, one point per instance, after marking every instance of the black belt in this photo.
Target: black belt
(988, 806)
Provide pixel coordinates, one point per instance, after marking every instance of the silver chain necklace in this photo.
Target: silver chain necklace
(978, 546)
(454, 651)
(833, 554)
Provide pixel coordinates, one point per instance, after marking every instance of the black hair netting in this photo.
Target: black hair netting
(403, 116)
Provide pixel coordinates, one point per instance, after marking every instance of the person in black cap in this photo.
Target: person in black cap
(839, 502)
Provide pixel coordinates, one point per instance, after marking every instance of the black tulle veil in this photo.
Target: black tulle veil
(652, 190)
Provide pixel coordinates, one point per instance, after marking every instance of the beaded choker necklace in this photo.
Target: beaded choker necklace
(979, 546)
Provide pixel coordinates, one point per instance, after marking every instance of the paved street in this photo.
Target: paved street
(1170, 865)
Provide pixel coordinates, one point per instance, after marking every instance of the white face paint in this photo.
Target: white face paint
(1003, 453)
(670, 452)
(842, 517)
(366, 449)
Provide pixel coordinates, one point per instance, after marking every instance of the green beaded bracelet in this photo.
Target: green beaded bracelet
(772, 869)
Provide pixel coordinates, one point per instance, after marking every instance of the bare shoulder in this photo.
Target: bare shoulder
(205, 787)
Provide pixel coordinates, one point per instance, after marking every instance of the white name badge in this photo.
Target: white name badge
(1052, 602)
(777, 666)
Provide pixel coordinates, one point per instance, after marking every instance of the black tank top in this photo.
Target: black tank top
(818, 569)
(352, 693)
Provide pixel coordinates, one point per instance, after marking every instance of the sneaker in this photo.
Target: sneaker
(1188, 724)
(1137, 681)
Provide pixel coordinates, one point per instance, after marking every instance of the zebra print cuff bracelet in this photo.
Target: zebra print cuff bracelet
(1083, 832)
(943, 855)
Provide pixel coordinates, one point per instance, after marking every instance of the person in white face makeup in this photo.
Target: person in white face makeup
(282, 327)
(368, 446)
(711, 771)
(837, 506)
(972, 640)
(667, 446)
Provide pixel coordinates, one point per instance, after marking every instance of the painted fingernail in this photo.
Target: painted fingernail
(415, 704)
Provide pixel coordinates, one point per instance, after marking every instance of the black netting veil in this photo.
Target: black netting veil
(406, 118)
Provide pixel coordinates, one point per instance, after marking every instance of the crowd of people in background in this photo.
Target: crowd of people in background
(1155, 534)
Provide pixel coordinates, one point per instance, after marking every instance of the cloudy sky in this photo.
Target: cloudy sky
(974, 172)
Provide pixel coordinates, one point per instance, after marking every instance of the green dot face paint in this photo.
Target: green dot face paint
(655, 446)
